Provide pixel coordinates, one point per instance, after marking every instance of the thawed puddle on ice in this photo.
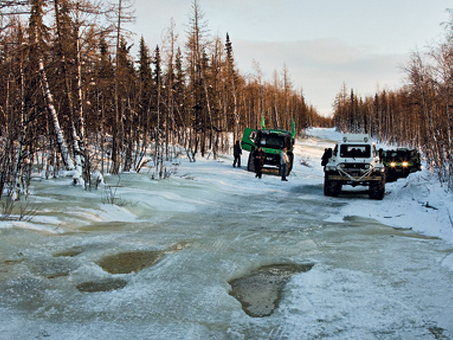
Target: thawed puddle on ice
(101, 286)
(134, 261)
(121, 263)
(260, 291)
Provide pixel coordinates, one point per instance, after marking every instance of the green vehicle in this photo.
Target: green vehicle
(272, 141)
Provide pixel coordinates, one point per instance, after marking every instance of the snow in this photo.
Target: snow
(216, 223)
(419, 202)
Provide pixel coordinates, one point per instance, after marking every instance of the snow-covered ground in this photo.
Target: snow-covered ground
(381, 269)
(419, 202)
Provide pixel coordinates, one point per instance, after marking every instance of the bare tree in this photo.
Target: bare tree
(36, 25)
(123, 14)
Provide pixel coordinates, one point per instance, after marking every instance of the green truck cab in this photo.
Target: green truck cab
(272, 141)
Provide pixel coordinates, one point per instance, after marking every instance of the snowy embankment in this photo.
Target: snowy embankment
(418, 202)
(156, 259)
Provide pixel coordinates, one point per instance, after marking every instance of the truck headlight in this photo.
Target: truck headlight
(393, 164)
(405, 164)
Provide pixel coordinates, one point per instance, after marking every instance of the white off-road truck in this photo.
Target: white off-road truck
(354, 161)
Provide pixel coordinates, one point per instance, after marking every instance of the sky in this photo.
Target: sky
(323, 43)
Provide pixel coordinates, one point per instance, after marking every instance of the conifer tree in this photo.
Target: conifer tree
(232, 80)
(122, 15)
(157, 78)
(145, 99)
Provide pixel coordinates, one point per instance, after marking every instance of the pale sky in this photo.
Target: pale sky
(324, 43)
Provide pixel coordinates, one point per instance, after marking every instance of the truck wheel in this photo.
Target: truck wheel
(251, 163)
(331, 188)
(377, 189)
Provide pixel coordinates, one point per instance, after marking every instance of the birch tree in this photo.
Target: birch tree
(36, 26)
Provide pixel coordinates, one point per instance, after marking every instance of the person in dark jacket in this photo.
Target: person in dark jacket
(381, 155)
(237, 154)
(326, 156)
(258, 156)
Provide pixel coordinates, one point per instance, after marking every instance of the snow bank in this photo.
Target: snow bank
(216, 223)
(418, 202)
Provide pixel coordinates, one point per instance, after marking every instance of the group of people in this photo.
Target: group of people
(259, 156)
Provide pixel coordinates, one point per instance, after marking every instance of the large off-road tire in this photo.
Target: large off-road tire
(406, 172)
(251, 163)
(331, 188)
(377, 189)
(390, 175)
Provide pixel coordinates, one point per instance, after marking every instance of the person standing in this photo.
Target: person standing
(326, 156)
(284, 160)
(258, 156)
(237, 152)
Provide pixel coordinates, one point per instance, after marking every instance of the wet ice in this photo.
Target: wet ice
(368, 281)
(260, 291)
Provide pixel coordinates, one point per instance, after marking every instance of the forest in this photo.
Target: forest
(417, 115)
(73, 97)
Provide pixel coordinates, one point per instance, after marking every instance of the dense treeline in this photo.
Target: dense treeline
(420, 114)
(73, 97)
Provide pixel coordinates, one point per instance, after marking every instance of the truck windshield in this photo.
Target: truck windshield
(355, 151)
(271, 141)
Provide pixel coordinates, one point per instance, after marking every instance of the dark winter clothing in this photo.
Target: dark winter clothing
(326, 156)
(237, 154)
(381, 155)
(258, 156)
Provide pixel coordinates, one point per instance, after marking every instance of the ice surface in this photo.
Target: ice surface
(260, 291)
(381, 269)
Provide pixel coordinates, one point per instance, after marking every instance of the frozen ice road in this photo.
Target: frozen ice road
(160, 263)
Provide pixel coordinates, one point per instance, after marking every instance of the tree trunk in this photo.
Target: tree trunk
(48, 98)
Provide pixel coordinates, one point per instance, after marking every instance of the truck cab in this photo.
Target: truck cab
(272, 141)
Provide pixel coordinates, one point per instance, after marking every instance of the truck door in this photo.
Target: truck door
(249, 139)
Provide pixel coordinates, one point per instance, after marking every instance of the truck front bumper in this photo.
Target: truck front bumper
(357, 179)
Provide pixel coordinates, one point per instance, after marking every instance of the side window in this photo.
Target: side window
(252, 136)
